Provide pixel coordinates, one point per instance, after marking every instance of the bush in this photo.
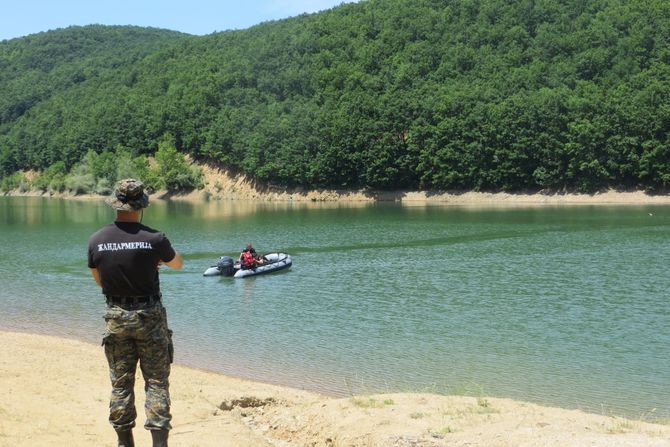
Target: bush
(43, 182)
(80, 184)
(13, 181)
(104, 187)
(57, 183)
(172, 170)
(24, 185)
(102, 165)
(128, 165)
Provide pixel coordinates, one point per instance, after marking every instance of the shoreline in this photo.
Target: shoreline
(468, 198)
(41, 373)
(220, 184)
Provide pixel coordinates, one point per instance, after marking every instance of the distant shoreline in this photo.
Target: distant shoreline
(222, 185)
(470, 198)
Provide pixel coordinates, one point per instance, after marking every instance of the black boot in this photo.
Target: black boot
(160, 437)
(125, 438)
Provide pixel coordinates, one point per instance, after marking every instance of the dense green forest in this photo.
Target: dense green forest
(382, 94)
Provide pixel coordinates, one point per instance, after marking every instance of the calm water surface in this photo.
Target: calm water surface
(565, 306)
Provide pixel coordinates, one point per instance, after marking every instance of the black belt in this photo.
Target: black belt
(132, 301)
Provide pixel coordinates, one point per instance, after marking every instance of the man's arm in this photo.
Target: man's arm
(96, 276)
(176, 263)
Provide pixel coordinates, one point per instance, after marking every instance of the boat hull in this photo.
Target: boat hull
(276, 262)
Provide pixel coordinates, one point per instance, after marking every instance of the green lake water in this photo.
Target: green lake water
(565, 306)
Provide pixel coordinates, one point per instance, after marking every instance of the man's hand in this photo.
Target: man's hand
(96, 276)
(176, 263)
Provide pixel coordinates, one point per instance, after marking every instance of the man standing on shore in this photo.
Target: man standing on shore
(124, 258)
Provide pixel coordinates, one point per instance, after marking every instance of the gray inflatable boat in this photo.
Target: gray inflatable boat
(226, 266)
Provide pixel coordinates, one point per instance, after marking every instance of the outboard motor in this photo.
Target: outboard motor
(225, 265)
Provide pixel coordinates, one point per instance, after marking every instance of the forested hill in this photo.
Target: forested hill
(383, 94)
(39, 66)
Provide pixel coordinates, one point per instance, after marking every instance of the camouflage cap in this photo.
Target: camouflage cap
(129, 195)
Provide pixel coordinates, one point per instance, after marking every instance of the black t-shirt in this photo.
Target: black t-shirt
(126, 255)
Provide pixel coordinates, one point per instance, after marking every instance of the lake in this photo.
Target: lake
(559, 305)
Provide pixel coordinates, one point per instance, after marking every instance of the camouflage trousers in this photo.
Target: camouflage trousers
(142, 336)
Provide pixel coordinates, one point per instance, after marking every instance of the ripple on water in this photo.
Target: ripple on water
(562, 306)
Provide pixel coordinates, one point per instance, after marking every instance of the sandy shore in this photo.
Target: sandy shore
(55, 391)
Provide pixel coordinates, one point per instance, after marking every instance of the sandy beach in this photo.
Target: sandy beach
(55, 393)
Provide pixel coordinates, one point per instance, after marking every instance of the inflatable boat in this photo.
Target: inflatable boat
(226, 266)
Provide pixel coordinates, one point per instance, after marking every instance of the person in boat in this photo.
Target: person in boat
(249, 258)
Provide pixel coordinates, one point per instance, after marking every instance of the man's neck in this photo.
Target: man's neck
(128, 216)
